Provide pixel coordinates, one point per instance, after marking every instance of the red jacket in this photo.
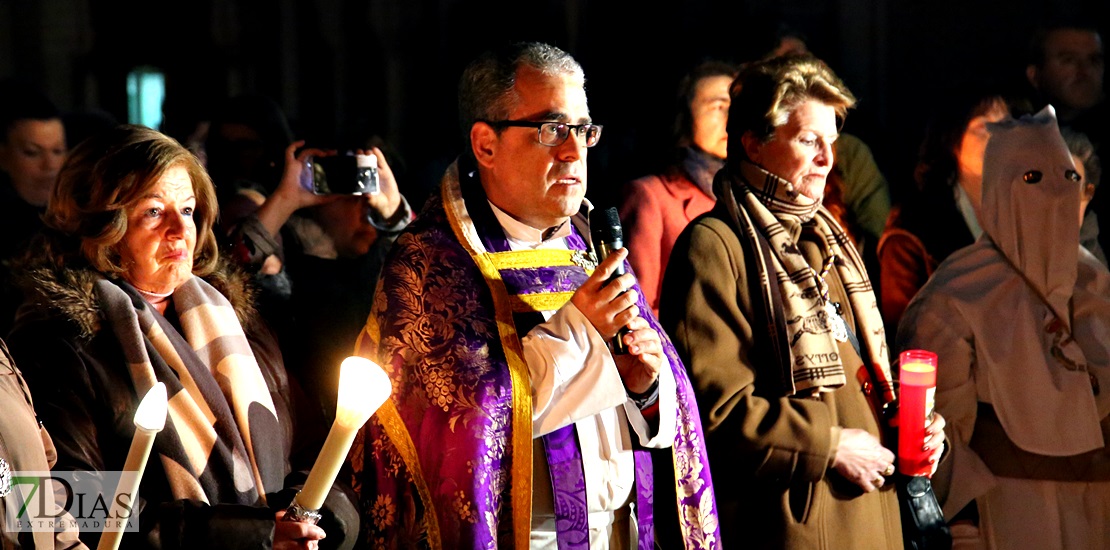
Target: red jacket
(654, 212)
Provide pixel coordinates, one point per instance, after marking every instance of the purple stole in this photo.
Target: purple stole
(564, 456)
(446, 462)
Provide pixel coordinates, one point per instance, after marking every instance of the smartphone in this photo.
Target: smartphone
(344, 175)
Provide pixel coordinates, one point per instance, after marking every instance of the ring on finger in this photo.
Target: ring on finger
(877, 482)
(889, 471)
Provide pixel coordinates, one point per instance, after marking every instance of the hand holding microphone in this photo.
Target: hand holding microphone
(608, 237)
(609, 302)
(606, 299)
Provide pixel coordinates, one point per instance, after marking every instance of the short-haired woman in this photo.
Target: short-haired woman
(771, 309)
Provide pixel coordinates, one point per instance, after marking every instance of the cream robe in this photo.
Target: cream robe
(1020, 320)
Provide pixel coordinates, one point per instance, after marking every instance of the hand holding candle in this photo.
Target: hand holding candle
(150, 418)
(363, 387)
(934, 441)
(918, 383)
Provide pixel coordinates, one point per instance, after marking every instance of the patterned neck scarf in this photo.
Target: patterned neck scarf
(794, 296)
(222, 442)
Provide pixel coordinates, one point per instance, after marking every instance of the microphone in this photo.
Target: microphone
(608, 237)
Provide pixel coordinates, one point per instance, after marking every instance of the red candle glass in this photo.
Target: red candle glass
(917, 386)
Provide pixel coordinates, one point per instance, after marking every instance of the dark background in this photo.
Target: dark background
(345, 70)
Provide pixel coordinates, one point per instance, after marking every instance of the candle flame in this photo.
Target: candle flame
(151, 414)
(363, 387)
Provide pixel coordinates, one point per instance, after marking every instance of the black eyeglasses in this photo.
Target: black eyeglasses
(553, 134)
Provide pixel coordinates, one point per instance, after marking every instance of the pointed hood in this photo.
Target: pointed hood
(1031, 204)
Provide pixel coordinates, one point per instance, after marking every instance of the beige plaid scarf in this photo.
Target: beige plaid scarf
(800, 325)
(222, 442)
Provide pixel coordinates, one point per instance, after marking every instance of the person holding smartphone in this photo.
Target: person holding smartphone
(326, 233)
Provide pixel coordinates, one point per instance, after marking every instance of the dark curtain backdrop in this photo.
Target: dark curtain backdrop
(348, 71)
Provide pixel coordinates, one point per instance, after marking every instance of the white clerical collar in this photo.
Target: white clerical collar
(519, 231)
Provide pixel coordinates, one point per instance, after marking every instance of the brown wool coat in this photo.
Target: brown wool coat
(770, 454)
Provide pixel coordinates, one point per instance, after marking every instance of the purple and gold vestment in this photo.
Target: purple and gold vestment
(447, 462)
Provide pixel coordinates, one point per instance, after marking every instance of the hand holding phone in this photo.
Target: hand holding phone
(347, 174)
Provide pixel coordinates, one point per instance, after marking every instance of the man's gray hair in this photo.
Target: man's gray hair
(486, 89)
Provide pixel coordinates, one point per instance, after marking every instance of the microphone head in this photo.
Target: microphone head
(605, 226)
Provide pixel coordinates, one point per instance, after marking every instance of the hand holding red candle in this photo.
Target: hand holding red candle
(934, 441)
(920, 429)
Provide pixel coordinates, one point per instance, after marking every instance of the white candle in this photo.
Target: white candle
(150, 418)
(363, 387)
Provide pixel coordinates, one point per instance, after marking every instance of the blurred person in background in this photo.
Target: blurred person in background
(331, 248)
(656, 208)
(1089, 166)
(940, 215)
(32, 149)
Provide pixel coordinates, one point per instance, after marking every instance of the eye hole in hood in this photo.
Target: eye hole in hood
(1032, 176)
(1073, 175)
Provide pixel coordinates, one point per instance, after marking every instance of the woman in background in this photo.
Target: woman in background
(941, 214)
(657, 207)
